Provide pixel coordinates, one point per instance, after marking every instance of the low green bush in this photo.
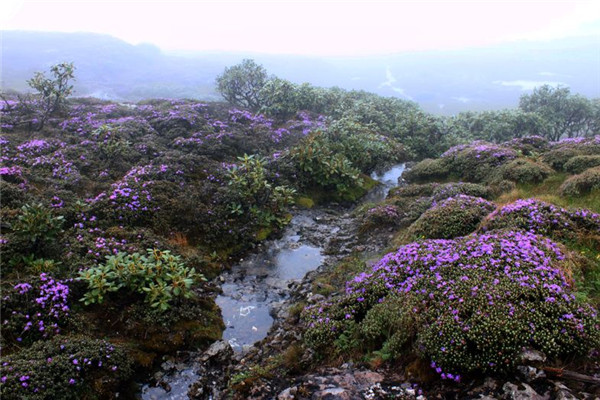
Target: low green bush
(452, 217)
(522, 170)
(159, 276)
(427, 170)
(578, 164)
(65, 368)
(584, 183)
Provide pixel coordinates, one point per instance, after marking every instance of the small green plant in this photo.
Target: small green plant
(160, 276)
(37, 224)
(320, 165)
(254, 195)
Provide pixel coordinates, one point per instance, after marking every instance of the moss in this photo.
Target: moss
(305, 202)
(263, 233)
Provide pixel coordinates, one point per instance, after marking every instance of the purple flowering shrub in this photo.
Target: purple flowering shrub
(543, 218)
(477, 161)
(455, 216)
(523, 170)
(586, 182)
(383, 215)
(63, 368)
(33, 310)
(468, 305)
(561, 152)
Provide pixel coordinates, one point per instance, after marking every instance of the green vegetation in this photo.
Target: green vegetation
(86, 196)
(160, 276)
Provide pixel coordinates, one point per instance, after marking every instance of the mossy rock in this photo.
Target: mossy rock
(304, 202)
(263, 233)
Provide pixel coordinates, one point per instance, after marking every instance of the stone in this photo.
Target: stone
(531, 357)
(529, 374)
(514, 392)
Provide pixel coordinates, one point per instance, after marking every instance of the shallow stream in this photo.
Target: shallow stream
(263, 280)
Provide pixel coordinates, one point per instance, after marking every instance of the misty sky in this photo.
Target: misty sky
(310, 27)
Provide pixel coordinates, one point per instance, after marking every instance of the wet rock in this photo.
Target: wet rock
(531, 357)
(521, 392)
(529, 374)
(562, 392)
(213, 371)
(288, 394)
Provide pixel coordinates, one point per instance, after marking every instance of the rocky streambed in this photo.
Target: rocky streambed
(258, 291)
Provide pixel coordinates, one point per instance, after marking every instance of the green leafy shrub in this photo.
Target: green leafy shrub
(38, 223)
(160, 276)
(365, 149)
(65, 368)
(320, 165)
(578, 164)
(255, 198)
(586, 182)
(526, 171)
(454, 216)
(480, 300)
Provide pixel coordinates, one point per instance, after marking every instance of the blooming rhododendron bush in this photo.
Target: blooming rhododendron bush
(468, 305)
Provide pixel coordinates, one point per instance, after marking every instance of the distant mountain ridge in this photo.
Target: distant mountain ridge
(440, 81)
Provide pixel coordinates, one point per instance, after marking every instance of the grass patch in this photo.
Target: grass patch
(548, 191)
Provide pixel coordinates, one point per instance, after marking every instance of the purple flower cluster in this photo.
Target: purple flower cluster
(36, 311)
(482, 298)
(543, 218)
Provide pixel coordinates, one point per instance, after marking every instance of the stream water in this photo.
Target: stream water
(256, 284)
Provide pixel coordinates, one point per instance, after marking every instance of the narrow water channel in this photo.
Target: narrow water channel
(263, 279)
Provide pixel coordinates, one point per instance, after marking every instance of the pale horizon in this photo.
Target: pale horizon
(326, 28)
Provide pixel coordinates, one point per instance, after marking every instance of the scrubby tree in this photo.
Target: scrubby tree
(50, 96)
(241, 84)
(565, 114)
